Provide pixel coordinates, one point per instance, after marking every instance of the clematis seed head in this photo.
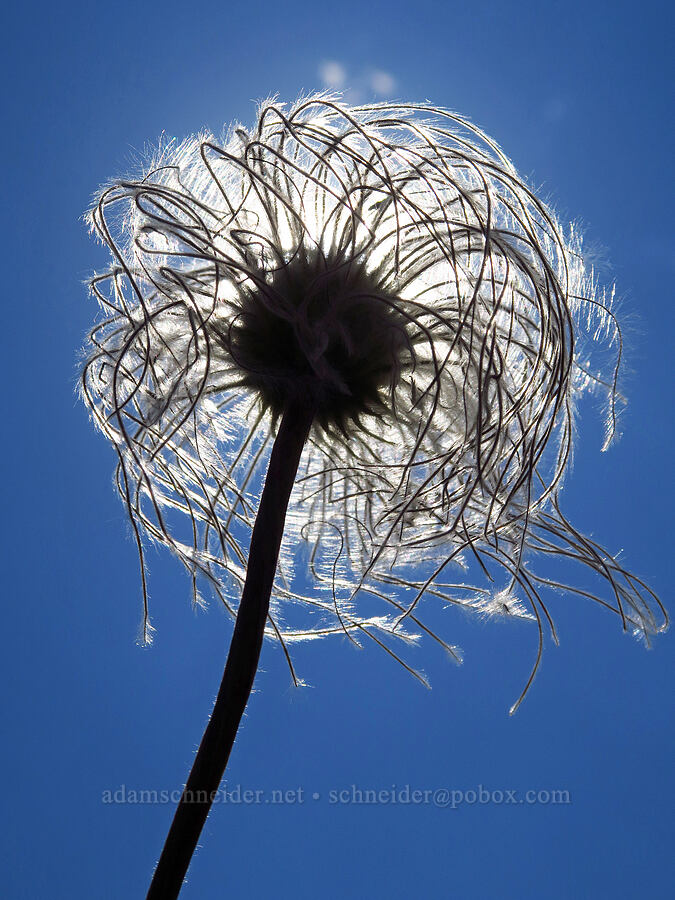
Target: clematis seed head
(386, 266)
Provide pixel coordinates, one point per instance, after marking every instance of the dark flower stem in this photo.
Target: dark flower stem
(242, 661)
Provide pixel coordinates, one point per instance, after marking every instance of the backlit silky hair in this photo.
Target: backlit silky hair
(386, 267)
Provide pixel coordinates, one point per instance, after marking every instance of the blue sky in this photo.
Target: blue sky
(577, 94)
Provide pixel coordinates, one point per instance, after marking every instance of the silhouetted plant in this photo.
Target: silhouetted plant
(371, 302)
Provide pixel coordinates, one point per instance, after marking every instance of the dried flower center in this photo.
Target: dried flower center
(319, 332)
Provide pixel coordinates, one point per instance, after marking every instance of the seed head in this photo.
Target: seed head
(387, 266)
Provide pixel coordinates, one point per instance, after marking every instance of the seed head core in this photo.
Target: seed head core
(319, 331)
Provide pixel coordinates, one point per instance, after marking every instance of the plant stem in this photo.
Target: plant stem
(242, 660)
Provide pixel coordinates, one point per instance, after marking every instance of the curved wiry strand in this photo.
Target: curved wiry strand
(387, 265)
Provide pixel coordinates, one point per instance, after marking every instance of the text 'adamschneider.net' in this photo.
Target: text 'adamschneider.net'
(405, 795)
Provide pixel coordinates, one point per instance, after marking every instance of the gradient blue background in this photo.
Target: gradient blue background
(577, 94)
